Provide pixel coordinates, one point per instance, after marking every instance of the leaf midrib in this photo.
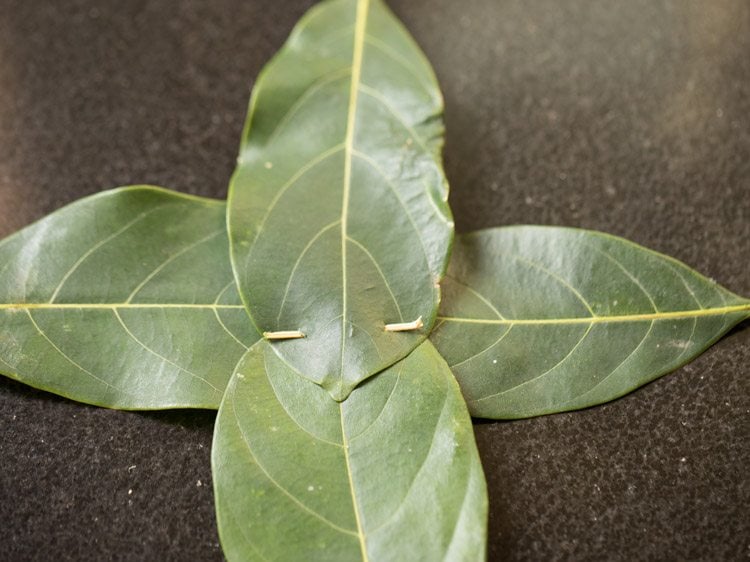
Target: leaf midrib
(360, 26)
(352, 487)
(111, 306)
(672, 315)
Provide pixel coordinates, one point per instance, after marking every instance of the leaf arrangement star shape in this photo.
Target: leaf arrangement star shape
(318, 311)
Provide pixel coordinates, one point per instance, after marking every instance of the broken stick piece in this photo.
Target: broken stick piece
(405, 326)
(283, 335)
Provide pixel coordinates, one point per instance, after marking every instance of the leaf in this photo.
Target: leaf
(538, 320)
(392, 473)
(337, 210)
(124, 299)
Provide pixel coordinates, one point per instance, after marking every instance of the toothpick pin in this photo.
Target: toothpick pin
(405, 326)
(284, 335)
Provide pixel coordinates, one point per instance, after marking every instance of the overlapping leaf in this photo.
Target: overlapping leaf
(338, 216)
(538, 320)
(392, 473)
(125, 299)
(338, 226)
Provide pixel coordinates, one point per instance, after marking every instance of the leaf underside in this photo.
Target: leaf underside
(392, 473)
(337, 211)
(339, 225)
(537, 320)
(125, 299)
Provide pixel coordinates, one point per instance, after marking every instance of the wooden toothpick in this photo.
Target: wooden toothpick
(284, 335)
(405, 326)
(296, 334)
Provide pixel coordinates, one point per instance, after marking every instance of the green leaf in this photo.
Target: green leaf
(337, 211)
(392, 473)
(537, 320)
(124, 299)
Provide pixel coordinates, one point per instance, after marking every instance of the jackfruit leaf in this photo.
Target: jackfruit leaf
(338, 218)
(124, 299)
(392, 473)
(537, 320)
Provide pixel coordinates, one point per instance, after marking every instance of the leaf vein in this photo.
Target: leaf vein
(69, 359)
(283, 490)
(541, 375)
(227, 330)
(625, 270)
(500, 338)
(380, 98)
(557, 277)
(380, 271)
(292, 418)
(309, 165)
(685, 283)
(98, 245)
(159, 355)
(619, 365)
(393, 189)
(224, 290)
(397, 57)
(309, 92)
(479, 295)
(369, 335)
(169, 260)
(360, 28)
(383, 409)
(644, 317)
(296, 265)
(419, 471)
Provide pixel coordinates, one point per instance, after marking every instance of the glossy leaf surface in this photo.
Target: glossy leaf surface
(392, 473)
(124, 299)
(538, 320)
(338, 217)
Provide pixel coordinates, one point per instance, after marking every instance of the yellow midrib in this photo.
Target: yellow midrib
(360, 26)
(112, 306)
(674, 315)
(345, 443)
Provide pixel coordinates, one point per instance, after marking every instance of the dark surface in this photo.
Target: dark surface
(628, 117)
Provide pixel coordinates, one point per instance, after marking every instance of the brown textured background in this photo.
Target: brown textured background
(628, 117)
